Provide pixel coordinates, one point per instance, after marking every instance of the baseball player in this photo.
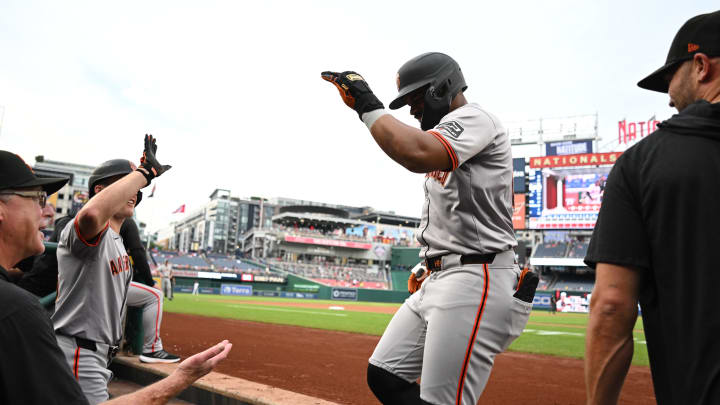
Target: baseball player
(94, 275)
(166, 273)
(141, 294)
(475, 300)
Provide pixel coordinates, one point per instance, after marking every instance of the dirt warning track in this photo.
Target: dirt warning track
(332, 365)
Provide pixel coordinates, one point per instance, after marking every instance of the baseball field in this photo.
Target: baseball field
(320, 348)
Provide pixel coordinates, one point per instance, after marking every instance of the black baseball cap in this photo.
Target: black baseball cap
(15, 173)
(700, 34)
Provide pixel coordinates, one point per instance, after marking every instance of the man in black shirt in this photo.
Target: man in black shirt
(28, 350)
(33, 370)
(656, 235)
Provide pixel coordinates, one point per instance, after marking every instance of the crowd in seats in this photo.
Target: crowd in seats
(551, 249)
(355, 274)
(339, 234)
(583, 280)
(578, 249)
(210, 262)
(546, 280)
(574, 282)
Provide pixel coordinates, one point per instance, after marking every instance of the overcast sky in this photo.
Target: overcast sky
(232, 90)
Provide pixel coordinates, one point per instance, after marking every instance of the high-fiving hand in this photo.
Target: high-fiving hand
(149, 166)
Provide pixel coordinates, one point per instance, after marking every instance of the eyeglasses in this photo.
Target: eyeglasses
(40, 196)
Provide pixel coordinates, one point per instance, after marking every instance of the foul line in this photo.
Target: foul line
(541, 332)
(284, 310)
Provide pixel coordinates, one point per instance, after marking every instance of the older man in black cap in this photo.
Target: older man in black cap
(657, 234)
(32, 367)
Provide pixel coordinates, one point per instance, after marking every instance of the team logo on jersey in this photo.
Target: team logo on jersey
(120, 264)
(439, 175)
(452, 128)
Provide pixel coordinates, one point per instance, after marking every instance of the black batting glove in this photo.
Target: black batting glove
(354, 91)
(149, 166)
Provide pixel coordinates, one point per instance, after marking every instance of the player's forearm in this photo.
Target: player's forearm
(402, 143)
(608, 350)
(98, 211)
(159, 393)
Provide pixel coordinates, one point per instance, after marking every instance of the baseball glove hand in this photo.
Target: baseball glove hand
(354, 91)
(149, 166)
(417, 275)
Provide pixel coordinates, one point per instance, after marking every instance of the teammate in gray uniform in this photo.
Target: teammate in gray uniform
(476, 300)
(166, 272)
(94, 274)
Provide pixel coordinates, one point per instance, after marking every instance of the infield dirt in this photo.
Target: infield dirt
(331, 365)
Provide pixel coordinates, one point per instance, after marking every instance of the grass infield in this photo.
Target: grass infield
(557, 335)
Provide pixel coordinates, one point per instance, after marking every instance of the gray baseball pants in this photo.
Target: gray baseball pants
(88, 367)
(151, 301)
(449, 332)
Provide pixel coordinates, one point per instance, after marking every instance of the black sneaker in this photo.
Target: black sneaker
(160, 356)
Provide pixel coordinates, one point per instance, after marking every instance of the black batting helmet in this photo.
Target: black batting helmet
(111, 168)
(443, 78)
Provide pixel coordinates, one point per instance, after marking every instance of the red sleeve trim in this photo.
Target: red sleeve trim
(97, 238)
(448, 148)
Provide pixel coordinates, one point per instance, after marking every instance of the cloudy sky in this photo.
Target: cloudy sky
(232, 90)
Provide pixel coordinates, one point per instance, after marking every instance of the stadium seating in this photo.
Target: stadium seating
(578, 249)
(354, 275)
(551, 249)
(574, 282)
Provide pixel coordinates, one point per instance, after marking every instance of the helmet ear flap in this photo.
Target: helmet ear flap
(437, 105)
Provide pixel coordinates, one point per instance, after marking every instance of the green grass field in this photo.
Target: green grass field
(558, 335)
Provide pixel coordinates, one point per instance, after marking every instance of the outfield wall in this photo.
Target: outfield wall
(295, 287)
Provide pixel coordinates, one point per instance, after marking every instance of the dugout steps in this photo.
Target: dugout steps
(214, 388)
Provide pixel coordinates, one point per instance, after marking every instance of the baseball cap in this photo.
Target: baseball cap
(700, 34)
(15, 173)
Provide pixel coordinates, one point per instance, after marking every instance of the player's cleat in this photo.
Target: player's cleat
(160, 356)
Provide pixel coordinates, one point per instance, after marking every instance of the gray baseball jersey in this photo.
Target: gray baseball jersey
(93, 280)
(165, 270)
(469, 209)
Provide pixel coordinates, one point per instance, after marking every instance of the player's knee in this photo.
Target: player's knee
(391, 389)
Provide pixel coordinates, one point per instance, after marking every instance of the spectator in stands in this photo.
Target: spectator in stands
(33, 369)
(656, 235)
(166, 273)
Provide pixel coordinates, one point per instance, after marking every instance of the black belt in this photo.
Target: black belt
(435, 263)
(92, 346)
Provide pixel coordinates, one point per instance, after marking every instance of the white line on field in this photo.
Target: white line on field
(541, 332)
(284, 310)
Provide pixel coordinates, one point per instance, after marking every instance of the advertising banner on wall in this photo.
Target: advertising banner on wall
(568, 148)
(574, 302)
(587, 159)
(518, 215)
(236, 289)
(346, 294)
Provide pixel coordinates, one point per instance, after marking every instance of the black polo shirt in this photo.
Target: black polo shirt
(661, 214)
(33, 370)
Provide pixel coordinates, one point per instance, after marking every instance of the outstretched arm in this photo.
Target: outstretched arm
(187, 373)
(414, 149)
